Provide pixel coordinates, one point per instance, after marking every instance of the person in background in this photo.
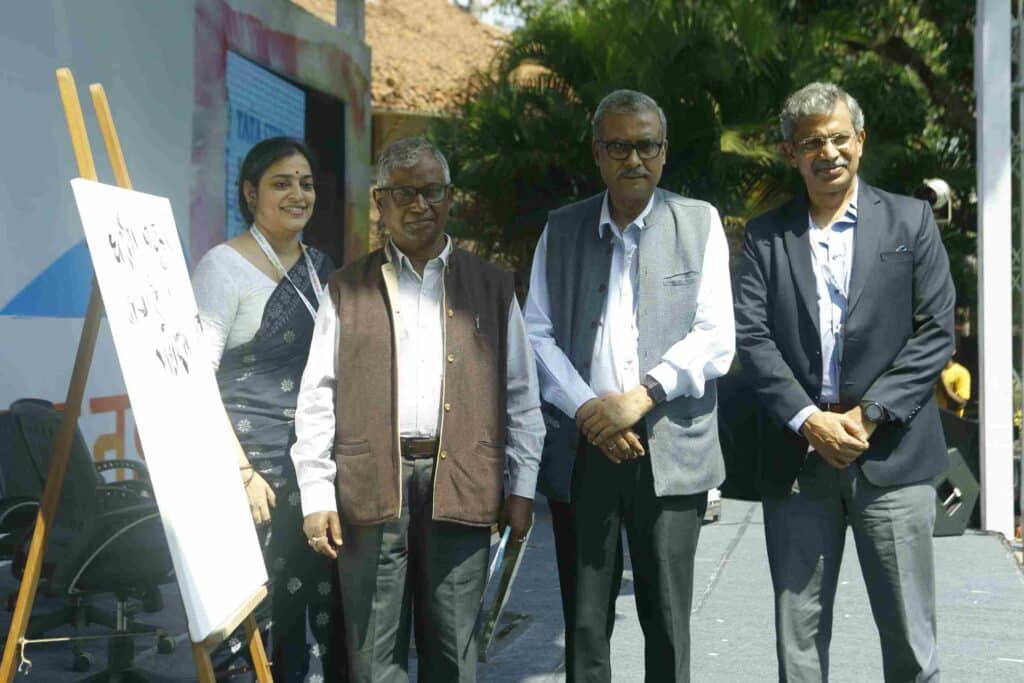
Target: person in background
(258, 295)
(953, 390)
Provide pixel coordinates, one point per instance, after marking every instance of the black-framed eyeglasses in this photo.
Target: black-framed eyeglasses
(813, 145)
(404, 195)
(621, 149)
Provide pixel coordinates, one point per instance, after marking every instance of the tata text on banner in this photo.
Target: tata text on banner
(190, 448)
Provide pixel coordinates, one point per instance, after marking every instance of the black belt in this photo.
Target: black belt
(832, 407)
(418, 449)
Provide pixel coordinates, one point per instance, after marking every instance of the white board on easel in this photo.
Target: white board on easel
(191, 450)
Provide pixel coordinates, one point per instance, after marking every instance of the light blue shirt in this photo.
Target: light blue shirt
(832, 262)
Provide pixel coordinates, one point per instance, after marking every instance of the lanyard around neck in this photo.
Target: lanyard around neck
(271, 255)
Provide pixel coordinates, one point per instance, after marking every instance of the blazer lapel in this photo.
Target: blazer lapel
(799, 250)
(866, 238)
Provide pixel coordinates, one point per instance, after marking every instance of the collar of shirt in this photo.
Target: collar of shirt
(849, 217)
(606, 216)
(395, 255)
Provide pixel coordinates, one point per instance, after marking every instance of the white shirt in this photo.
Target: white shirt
(704, 354)
(420, 374)
(418, 316)
(832, 262)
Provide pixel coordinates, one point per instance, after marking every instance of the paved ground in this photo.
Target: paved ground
(980, 596)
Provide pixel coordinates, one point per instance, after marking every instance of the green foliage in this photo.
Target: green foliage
(721, 70)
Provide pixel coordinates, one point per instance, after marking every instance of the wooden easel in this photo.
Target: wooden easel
(73, 408)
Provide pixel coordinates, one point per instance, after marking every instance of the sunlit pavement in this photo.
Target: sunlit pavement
(980, 610)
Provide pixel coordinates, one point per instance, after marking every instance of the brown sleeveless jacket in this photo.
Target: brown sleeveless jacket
(469, 467)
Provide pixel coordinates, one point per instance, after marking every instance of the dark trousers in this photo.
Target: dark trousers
(412, 569)
(662, 533)
(564, 528)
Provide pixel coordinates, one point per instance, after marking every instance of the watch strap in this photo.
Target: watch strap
(654, 389)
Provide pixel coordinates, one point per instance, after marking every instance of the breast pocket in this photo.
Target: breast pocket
(678, 305)
(687, 279)
(897, 256)
(895, 277)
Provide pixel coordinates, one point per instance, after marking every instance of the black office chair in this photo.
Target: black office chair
(106, 538)
(18, 502)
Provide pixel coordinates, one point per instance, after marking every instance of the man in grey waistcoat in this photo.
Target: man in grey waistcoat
(629, 316)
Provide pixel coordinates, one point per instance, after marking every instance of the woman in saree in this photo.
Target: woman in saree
(258, 295)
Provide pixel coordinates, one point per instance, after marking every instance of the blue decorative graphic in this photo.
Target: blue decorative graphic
(60, 291)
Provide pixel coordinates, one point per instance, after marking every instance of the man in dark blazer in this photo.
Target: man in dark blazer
(844, 320)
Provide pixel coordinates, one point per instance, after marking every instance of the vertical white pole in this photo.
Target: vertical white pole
(994, 88)
(1019, 88)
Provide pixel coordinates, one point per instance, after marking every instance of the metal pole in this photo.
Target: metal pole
(994, 86)
(1019, 87)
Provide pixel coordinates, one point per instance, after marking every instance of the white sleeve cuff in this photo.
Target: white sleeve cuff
(576, 397)
(796, 423)
(317, 496)
(522, 480)
(674, 382)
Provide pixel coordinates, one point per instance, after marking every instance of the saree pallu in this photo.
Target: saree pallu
(259, 385)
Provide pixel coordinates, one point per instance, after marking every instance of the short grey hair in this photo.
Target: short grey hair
(627, 102)
(405, 153)
(817, 99)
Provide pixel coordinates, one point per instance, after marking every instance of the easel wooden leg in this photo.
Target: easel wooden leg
(260, 664)
(204, 665)
(72, 406)
(259, 655)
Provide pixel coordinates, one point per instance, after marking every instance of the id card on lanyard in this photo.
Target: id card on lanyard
(268, 251)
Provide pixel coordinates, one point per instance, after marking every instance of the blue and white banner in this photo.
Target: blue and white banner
(261, 105)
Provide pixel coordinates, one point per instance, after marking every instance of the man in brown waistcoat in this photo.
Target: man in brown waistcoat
(419, 393)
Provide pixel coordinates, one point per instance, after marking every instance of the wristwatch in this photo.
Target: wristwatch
(873, 411)
(654, 389)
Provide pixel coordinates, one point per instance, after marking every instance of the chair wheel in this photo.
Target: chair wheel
(81, 662)
(164, 645)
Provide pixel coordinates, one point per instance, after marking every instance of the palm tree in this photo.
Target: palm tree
(521, 146)
(720, 70)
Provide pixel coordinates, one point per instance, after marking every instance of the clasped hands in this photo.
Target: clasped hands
(607, 422)
(839, 438)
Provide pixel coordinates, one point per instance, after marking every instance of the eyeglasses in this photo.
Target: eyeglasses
(817, 143)
(621, 149)
(404, 195)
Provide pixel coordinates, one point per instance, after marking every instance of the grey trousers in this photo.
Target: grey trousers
(412, 568)
(892, 527)
(662, 535)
